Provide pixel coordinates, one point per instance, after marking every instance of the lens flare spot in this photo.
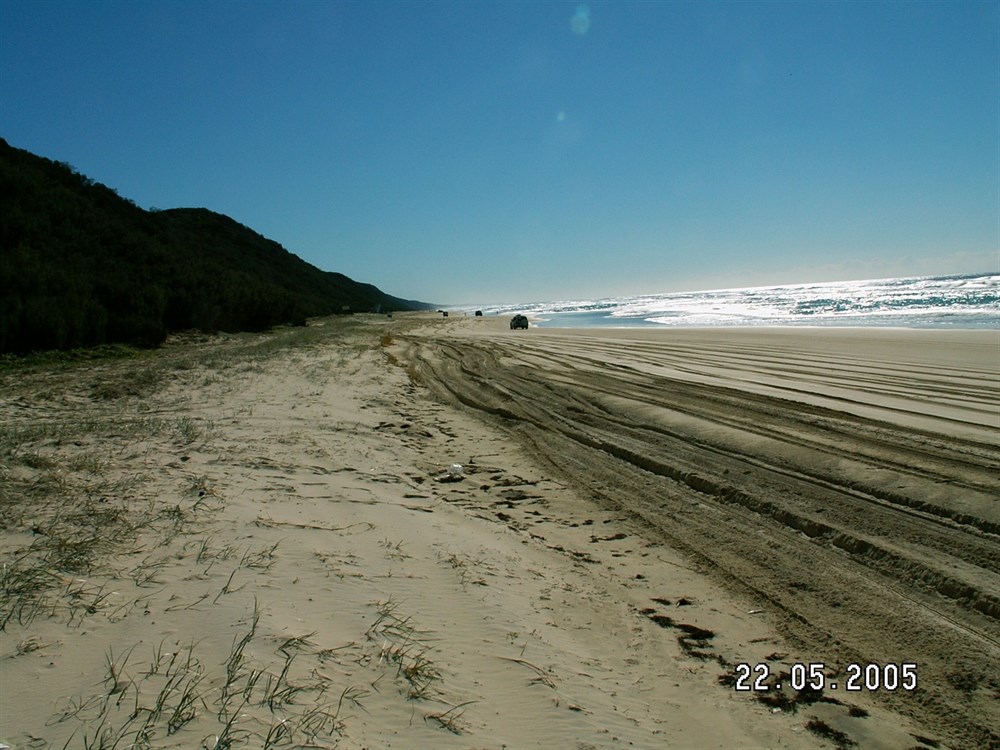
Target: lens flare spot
(579, 24)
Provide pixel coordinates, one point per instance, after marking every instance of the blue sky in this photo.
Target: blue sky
(504, 151)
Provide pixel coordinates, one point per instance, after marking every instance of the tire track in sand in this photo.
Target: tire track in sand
(876, 540)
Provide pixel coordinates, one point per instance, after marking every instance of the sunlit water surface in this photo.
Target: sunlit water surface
(969, 301)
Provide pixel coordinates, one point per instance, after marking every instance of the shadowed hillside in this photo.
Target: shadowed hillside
(81, 266)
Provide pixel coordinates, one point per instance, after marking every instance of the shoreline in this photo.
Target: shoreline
(543, 323)
(770, 327)
(850, 303)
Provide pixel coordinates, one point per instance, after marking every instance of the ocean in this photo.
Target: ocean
(966, 301)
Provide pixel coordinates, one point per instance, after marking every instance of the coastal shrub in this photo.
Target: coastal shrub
(80, 266)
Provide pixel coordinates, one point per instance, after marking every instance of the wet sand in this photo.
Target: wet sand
(260, 541)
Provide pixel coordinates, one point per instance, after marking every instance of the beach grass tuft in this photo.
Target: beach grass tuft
(450, 719)
(404, 645)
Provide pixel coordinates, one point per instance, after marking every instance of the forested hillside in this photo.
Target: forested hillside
(81, 266)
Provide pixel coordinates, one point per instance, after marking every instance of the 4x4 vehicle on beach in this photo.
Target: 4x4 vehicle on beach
(518, 321)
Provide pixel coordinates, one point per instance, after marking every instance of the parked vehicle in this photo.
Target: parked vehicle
(518, 321)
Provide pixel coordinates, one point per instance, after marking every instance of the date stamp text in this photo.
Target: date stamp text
(855, 678)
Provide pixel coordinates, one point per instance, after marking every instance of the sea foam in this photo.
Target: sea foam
(966, 301)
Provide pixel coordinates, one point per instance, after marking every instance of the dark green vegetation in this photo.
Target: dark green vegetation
(81, 266)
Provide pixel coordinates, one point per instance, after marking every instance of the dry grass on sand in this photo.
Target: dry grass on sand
(261, 541)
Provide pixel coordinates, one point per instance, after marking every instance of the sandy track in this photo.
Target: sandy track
(256, 541)
(846, 478)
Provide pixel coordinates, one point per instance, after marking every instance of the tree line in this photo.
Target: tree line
(81, 266)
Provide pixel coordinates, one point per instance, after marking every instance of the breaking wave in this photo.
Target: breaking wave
(966, 301)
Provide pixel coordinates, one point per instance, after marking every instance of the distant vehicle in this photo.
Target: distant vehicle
(479, 313)
(518, 321)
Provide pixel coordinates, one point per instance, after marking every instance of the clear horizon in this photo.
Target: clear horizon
(571, 300)
(449, 151)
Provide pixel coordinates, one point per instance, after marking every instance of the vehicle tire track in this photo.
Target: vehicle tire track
(764, 492)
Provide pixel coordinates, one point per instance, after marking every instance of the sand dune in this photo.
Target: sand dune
(259, 541)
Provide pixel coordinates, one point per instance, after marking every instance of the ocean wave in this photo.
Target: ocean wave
(959, 301)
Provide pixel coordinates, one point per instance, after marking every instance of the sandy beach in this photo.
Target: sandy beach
(439, 533)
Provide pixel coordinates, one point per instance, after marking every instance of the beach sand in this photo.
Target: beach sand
(267, 541)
